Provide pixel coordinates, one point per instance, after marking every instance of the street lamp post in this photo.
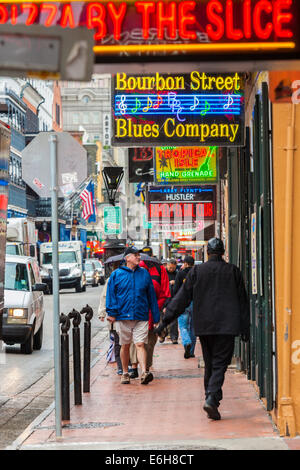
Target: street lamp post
(55, 284)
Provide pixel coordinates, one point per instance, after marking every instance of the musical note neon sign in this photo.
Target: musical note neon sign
(178, 104)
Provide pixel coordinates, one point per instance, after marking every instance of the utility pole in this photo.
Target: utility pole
(55, 284)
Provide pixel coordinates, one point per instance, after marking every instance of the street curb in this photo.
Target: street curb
(17, 443)
(257, 443)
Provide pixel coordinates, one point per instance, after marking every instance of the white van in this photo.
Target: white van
(71, 266)
(23, 304)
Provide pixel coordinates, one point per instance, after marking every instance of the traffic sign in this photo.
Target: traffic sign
(71, 158)
(112, 216)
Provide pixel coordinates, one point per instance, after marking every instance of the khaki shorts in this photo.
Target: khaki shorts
(132, 331)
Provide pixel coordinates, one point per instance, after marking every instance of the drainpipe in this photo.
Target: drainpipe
(27, 84)
(37, 109)
(287, 425)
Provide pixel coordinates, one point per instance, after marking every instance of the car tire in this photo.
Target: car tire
(78, 288)
(27, 347)
(38, 339)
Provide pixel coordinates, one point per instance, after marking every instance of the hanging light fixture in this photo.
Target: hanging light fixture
(112, 179)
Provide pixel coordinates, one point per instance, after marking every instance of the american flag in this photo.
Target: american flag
(87, 197)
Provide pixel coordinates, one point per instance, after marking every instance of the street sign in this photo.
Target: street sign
(40, 51)
(112, 216)
(146, 224)
(72, 163)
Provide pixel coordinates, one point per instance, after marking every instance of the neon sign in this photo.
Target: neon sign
(181, 205)
(185, 165)
(159, 28)
(140, 168)
(198, 109)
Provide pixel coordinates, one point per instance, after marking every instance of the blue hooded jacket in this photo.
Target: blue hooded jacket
(130, 295)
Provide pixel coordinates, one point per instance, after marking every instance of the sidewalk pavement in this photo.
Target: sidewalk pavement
(166, 414)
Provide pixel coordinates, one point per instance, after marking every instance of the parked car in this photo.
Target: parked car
(71, 266)
(100, 269)
(91, 274)
(23, 303)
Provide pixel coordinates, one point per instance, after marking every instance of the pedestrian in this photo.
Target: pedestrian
(111, 325)
(160, 281)
(172, 272)
(220, 313)
(130, 297)
(185, 321)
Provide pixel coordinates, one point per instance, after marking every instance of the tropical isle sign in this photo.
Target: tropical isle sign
(184, 109)
(185, 165)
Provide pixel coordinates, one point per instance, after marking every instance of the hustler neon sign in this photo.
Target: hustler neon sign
(157, 27)
(181, 204)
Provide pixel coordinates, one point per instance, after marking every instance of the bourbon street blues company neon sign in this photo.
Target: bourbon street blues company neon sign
(253, 29)
(191, 109)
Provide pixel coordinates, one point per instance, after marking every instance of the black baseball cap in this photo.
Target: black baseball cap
(215, 246)
(131, 250)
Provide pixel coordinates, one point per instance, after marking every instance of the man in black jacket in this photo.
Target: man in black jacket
(185, 321)
(220, 312)
(172, 272)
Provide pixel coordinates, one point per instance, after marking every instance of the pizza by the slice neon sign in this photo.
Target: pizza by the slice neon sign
(144, 26)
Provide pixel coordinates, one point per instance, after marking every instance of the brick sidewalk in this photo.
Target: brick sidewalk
(165, 414)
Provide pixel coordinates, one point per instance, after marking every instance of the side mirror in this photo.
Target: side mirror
(39, 287)
(32, 251)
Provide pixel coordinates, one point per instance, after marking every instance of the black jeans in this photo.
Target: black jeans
(173, 328)
(217, 353)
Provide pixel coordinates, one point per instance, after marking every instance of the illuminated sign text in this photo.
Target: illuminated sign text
(199, 108)
(181, 205)
(160, 27)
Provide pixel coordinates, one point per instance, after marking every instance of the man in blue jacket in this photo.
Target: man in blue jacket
(130, 296)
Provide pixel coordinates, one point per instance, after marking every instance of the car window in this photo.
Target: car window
(12, 250)
(16, 277)
(36, 271)
(89, 267)
(63, 257)
(31, 275)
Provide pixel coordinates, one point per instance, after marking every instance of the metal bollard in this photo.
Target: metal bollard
(65, 372)
(87, 348)
(76, 356)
